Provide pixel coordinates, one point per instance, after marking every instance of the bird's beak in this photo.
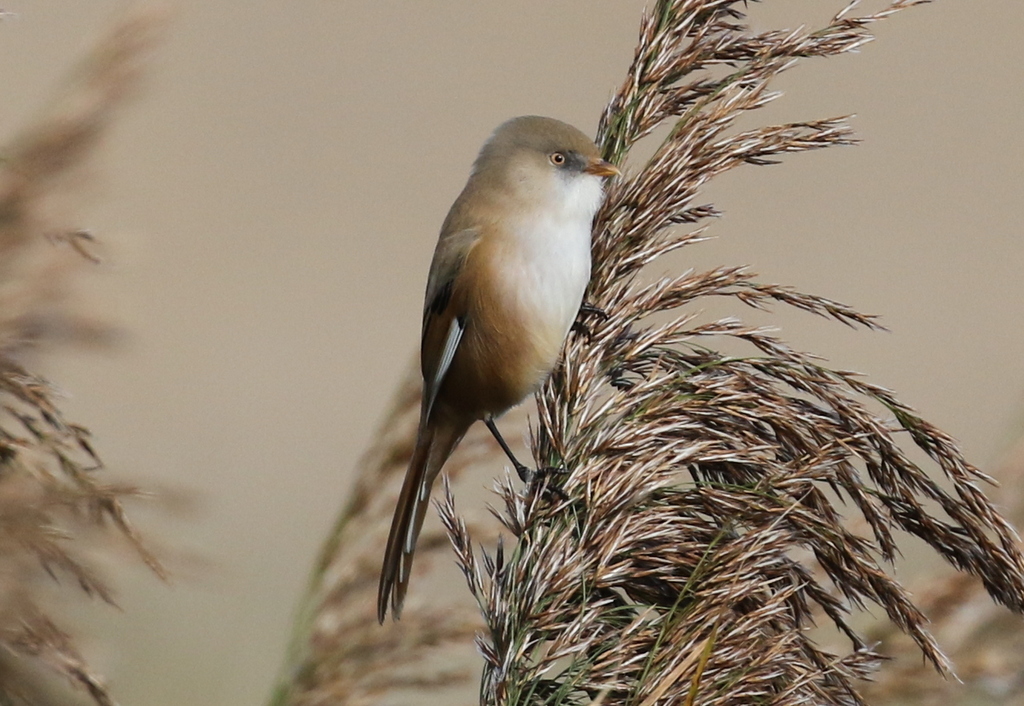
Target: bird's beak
(601, 168)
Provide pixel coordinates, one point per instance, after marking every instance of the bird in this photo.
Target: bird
(506, 283)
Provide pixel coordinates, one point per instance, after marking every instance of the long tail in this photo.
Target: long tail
(434, 444)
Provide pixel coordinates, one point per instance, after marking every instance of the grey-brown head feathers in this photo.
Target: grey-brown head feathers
(540, 135)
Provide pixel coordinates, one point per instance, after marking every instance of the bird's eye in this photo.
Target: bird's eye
(557, 158)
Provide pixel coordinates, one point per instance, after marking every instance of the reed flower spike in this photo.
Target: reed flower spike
(705, 521)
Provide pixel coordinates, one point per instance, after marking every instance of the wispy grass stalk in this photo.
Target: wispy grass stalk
(56, 504)
(339, 654)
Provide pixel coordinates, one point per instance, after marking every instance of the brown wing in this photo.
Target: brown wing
(443, 323)
(438, 435)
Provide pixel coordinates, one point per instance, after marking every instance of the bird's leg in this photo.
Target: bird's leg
(587, 310)
(526, 474)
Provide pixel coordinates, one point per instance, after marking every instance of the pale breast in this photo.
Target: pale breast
(544, 273)
(552, 269)
(526, 281)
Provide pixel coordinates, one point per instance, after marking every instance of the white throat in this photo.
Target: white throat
(552, 262)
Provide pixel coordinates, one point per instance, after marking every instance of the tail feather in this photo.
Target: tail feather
(434, 444)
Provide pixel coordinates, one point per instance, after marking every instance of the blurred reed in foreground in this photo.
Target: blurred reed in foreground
(339, 653)
(706, 519)
(55, 504)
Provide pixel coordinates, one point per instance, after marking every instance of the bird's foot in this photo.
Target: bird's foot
(617, 373)
(591, 310)
(588, 310)
(540, 479)
(528, 475)
(617, 379)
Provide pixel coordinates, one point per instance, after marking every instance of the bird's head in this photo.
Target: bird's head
(544, 159)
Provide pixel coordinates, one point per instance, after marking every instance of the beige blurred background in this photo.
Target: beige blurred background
(269, 208)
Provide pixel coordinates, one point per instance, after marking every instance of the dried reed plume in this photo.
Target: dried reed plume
(697, 533)
(985, 644)
(55, 505)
